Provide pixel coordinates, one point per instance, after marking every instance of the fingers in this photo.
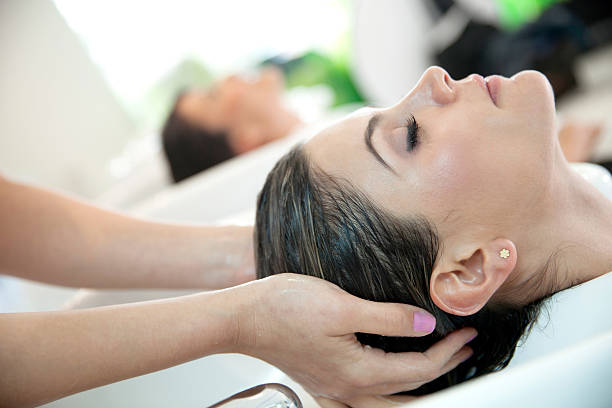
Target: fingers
(462, 355)
(396, 372)
(389, 319)
(441, 352)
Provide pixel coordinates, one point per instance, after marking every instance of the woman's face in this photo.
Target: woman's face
(237, 104)
(484, 150)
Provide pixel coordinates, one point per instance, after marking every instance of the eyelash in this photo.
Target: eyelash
(412, 139)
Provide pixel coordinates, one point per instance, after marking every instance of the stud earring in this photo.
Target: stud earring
(504, 253)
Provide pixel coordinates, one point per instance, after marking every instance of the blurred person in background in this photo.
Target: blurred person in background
(239, 113)
(232, 117)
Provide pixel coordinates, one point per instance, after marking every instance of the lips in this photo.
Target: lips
(483, 83)
(493, 83)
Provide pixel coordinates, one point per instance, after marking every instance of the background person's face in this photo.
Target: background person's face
(238, 106)
(479, 159)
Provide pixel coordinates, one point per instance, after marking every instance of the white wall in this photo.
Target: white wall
(59, 123)
(390, 47)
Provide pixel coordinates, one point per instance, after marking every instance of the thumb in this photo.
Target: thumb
(389, 319)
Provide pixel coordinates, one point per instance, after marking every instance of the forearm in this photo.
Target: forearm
(60, 240)
(45, 356)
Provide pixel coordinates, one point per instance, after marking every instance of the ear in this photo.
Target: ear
(461, 284)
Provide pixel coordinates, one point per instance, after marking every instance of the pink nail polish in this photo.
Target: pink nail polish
(423, 322)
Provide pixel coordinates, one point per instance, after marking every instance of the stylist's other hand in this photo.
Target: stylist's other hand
(305, 326)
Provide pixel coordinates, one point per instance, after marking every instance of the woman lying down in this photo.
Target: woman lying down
(457, 199)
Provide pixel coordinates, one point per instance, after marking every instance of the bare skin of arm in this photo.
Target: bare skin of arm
(289, 321)
(56, 239)
(49, 355)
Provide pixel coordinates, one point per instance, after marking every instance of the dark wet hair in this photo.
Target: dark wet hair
(190, 148)
(311, 223)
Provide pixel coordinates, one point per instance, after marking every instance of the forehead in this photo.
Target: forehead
(335, 148)
(193, 100)
(340, 151)
(199, 108)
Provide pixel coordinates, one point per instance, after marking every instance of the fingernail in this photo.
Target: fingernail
(423, 322)
(472, 337)
(468, 356)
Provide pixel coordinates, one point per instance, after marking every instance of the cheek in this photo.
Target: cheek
(456, 179)
(446, 173)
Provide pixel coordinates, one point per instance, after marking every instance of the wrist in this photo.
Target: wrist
(237, 309)
(247, 326)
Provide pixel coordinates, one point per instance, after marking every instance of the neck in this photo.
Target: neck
(575, 234)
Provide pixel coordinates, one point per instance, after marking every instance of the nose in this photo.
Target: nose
(436, 83)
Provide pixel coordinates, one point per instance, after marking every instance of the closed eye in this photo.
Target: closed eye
(412, 137)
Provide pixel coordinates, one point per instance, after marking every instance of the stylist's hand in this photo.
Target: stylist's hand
(305, 326)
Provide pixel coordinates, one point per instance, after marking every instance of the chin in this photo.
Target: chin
(538, 82)
(539, 105)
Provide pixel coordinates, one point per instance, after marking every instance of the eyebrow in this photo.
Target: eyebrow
(369, 132)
